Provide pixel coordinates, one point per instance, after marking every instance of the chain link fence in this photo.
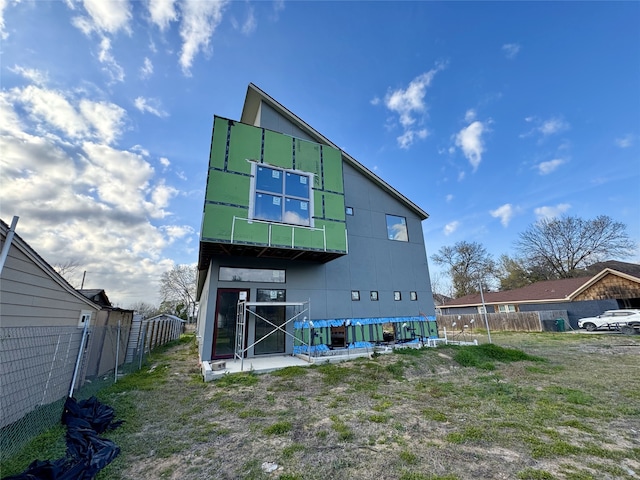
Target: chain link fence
(41, 366)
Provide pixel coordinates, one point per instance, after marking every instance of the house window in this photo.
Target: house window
(506, 308)
(355, 295)
(413, 296)
(282, 196)
(348, 210)
(262, 275)
(373, 295)
(85, 317)
(481, 309)
(397, 228)
(397, 296)
(268, 295)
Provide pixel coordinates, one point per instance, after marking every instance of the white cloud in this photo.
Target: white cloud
(163, 12)
(3, 34)
(34, 76)
(199, 21)
(545, 168)
(147, 68)
(553, 126)
(470, 115)
(469, 139)
(250, 24)
(410, 107)
(105, 16)
(375, 101)
(505, 213)
(51, 109)
(546, 128)
(451, 227)
(449, 198)
(81, 199)
(406, 139)
(150, 105)
(625, 141)
(551, 211)
(111, 66)
(175, 232)
(511, 50)
(165, 162)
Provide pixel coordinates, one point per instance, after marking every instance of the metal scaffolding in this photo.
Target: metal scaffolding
(243, 311)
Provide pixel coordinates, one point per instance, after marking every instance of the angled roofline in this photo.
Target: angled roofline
(250, 110)
(600, 276)
(27, 250)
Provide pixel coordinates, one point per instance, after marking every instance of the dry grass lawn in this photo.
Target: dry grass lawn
(569, 410)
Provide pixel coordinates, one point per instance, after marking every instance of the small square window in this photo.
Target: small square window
(374, 296)
(355, 295)
(348, 210)
(413, 296)
(397, 296)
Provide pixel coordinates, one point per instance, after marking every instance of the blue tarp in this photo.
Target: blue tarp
(340, 322)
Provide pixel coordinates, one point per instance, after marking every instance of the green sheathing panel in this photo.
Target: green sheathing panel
(226, 187)
(334, 206)
(278, 149)
(218, 143)
(336, 235)
(229, 187)
(281, 235)
(332, 166)
(308, 160)
(433, 329)
(218, 220)
(245, 144)
(317, 204)
(251, 232)
(305, 238)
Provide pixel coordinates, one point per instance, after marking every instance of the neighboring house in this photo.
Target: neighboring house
(580, 297)
(42, 320)
(291, 219)
(109, 335)
(33, 294)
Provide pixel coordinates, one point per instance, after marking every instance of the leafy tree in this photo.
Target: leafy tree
(515, 273)
(564, 246)
(469, 263)
(178, 291)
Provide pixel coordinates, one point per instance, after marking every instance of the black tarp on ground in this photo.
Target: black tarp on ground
(87, 453)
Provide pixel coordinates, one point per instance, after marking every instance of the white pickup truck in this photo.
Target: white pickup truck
(627, 321)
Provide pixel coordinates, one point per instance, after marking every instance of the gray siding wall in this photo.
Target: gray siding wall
(30, 297)
(272, 120)
(206, 312)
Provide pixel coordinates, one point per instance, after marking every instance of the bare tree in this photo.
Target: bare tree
(67, 269)
(469, 263)
(566, 245)
(145, 309)
(178, 289)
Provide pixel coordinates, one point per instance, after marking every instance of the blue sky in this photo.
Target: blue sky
(487, 115)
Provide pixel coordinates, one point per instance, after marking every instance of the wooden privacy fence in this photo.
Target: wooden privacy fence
(506, 322)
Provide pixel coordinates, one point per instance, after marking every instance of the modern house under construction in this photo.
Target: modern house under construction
(302, 248)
